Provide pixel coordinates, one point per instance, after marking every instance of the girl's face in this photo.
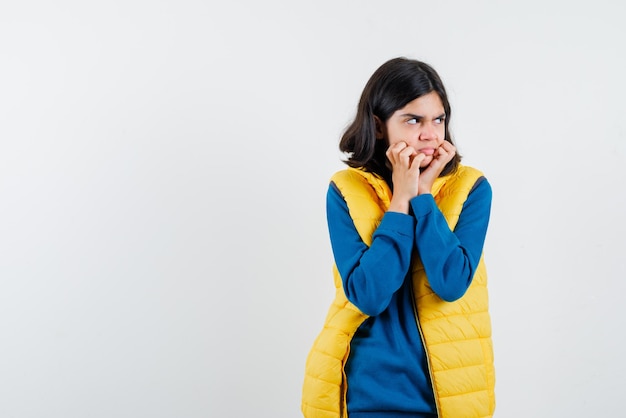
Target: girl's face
(421, 124)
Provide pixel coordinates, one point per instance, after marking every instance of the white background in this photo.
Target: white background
(163, 170)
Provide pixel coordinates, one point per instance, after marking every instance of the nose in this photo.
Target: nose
(428, 132)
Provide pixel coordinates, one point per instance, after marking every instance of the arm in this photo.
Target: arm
(370, 275)
(450, 258)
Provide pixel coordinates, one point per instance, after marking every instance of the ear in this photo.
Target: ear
(380, 128)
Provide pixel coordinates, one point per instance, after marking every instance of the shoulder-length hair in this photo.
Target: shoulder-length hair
(392, 86)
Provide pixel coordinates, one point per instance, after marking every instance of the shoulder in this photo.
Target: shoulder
(470, 178)
(461, 181)
(363, 192)
(475, 177)
(480, 194)
(468, 172)
(353, 181)
(481, 186)
(350, 175)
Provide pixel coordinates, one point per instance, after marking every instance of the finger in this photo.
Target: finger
(390, 155)
(445, 150)
(406, 156)
(401, 154)
(442, 153)
(439, 151)
(407, 152)
(448, 147)
(417, 160)
(393, 150)
(398, 146)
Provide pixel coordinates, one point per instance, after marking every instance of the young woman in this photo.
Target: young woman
(408, 334)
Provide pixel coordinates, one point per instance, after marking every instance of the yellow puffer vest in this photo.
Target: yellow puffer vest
(456, 335)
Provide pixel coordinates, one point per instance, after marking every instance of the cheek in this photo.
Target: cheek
(441, 134)
(393, 140)
(394, 136)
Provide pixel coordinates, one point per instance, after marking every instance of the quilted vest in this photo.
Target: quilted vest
(456, 335)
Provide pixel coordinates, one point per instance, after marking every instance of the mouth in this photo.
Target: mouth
(427, 151)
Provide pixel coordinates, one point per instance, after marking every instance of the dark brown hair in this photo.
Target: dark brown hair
(392, 86)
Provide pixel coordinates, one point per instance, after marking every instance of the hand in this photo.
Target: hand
(443, 155)
(405, 164)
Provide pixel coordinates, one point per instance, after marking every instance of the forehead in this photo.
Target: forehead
(427, 105)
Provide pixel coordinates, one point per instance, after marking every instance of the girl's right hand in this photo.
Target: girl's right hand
(405, 162)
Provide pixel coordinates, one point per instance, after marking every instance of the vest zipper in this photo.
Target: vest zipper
(419, 330)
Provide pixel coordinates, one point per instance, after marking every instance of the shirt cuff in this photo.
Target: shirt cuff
(397, 222)
(423, 205)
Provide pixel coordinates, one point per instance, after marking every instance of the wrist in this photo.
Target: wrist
(399, 205)
(424, 190)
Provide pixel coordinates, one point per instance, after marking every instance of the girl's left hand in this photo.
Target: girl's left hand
(443, 155)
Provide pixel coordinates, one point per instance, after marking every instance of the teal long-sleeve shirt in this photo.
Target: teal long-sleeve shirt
(386, 371)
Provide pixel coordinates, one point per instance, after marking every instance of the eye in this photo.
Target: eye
(412, 121)
(440, 120)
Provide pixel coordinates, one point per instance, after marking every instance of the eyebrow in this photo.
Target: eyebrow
(411, 115)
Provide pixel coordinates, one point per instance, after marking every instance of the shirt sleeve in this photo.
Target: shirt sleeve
(370, 275)
(450, 257)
